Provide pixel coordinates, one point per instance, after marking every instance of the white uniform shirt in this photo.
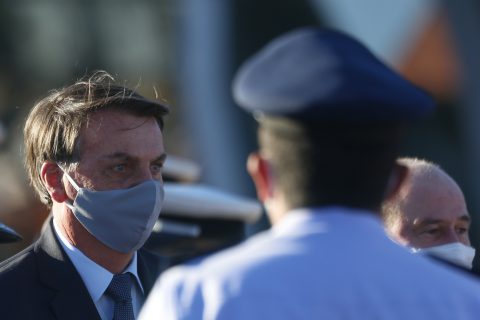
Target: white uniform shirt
(330, 263)
(96, 279)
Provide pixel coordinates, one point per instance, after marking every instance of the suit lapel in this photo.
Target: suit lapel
(149, 267)
(71, 298)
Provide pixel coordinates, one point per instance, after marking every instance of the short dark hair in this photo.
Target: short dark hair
(318, 164)
(54, 124)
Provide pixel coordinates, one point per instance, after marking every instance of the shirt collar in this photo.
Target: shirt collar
(303, 221)
(95, 277)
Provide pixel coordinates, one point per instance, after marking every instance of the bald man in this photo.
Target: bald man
(428, 213)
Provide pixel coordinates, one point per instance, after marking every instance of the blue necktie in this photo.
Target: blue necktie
(120, 291)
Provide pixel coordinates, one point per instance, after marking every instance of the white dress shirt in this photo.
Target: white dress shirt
(329, 263)
(96, 278)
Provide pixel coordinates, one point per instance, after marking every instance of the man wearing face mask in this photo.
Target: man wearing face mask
(428, 213)
(94, 153)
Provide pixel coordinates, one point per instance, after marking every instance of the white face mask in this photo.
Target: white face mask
(455, 252)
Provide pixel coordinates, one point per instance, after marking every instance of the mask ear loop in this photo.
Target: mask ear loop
(72, 182)
(74, 185)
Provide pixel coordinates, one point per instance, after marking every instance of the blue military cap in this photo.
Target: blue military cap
(323, 75)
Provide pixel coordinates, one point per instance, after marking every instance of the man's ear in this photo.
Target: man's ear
(52, 179)
(396, 180)
(259, 169)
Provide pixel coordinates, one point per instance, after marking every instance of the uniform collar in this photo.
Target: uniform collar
(304, 221)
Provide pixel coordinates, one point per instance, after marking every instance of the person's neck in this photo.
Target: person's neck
(95, 250)
(276, 209)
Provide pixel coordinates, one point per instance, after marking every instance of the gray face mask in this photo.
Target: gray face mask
(122, 219)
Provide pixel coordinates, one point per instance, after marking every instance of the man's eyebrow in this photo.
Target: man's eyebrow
(465, 218)
(426, 221)
(123, 155)
(117, 155)
(161, 158)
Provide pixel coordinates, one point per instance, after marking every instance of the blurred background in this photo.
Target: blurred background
(188, 50)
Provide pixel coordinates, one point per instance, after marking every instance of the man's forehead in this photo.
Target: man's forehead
(429, 209)
(109, 132)
(111, 124)
(119, 118)
(429, 200)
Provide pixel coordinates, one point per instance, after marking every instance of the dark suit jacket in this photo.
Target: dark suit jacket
(42, 283)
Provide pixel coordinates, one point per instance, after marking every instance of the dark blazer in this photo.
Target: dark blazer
(42, 283)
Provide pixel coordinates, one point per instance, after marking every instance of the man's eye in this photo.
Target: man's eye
(431, 231)
(156, 168)
(462, 230)
(119, 168)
